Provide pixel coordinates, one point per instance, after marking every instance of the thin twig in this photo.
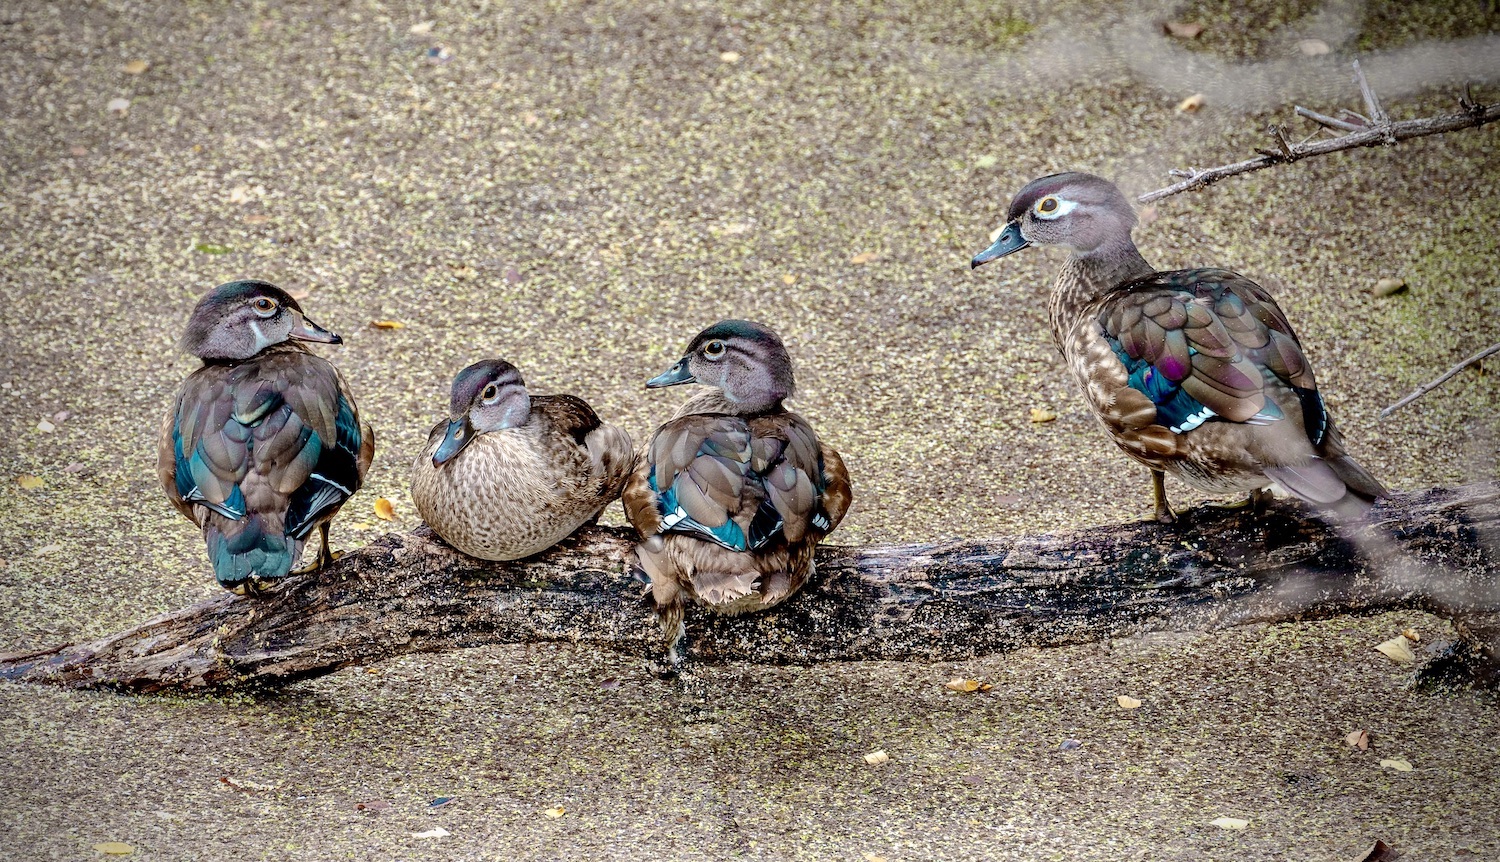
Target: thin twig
(1378, 116)
(1367, 132)
(1331, 122)
(1447, 375)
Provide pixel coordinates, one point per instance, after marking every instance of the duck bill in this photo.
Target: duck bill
(458, 435)
(678, 373)
(306, 330)
(1009, 240)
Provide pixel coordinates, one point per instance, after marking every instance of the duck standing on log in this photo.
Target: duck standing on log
(1193, 372)
(263, 443)
(734, 493)
(509, 474)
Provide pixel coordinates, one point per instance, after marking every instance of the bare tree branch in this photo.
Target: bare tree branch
(1433, 550)
(1446, 376)
(1376, 130)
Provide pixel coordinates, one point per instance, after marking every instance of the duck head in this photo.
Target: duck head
(239, 319)
(747, 361)
(487, 396)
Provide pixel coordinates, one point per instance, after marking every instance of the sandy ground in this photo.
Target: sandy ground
(580, 188)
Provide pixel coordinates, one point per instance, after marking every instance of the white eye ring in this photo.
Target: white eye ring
(490, 393)
(1064, 206)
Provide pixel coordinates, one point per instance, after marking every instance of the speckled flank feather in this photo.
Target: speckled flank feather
(259, 453)
(1195, 373)
(517, 491)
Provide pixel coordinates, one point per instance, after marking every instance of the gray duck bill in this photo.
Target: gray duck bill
(1010, 240)
(306, 330)
(678, 373)
(458, 435)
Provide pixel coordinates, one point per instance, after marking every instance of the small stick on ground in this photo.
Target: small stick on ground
(1446, 376)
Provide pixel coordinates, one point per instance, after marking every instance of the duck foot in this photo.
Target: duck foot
(1164, 513)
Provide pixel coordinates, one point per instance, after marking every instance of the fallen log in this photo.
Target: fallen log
(1433, 550)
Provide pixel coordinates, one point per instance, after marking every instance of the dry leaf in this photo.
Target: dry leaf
(77, 150)
(299, 293)
(1398, 650)
(436, 832)
(1192, 104)
(239, 195)
(256, 218)
(864, 257)
(1127, 702)
(114, 848)
(1182, 30)
(387, 324)
(135, 67)
(729, 57)
(421, 28)
(1400, 764)
(45, 427)
(871, 857)
(1230, 822)
(464, 272)
(962, 685)
(118, 106)
(1148, 214)
(1042, 414)
(789, 279)
(1411, 635)
(1389, 286)
(877, 757)
(1359, 739)
(47, 549)
(556, 812)
(29, 483)
(1313, 47)
(384, 510)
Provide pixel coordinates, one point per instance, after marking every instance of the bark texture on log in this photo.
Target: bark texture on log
(1435, 550)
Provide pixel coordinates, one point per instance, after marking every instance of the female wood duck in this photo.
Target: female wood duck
(1194, 372)
(263, 443)
(509, 474)
(734, 493)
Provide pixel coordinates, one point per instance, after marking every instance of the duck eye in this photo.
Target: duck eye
(713, 349)
(264, 306)
(489, 392)
(1047, 205)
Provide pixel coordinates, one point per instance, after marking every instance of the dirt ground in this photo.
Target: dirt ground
(579, 187)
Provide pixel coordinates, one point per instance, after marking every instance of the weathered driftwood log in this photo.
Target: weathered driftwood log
(1435, 550)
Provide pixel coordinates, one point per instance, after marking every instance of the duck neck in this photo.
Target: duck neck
(714, 401)
(1085, 278)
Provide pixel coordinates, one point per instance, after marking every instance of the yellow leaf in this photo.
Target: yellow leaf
(555, 813)
(1411, 635)
(114, 848)
(387, 324)
(877, 757)
(962, 685)
(384, 510)
(135, 67)
(1400, 764)
(29, 483)
(864, 257)
(729, 57)
(1230, 822)
(871, 857)
(789, 279)
(1042, 414)
(1127, 702)
(421, 28)
(1398, 650)
(1192, 104)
